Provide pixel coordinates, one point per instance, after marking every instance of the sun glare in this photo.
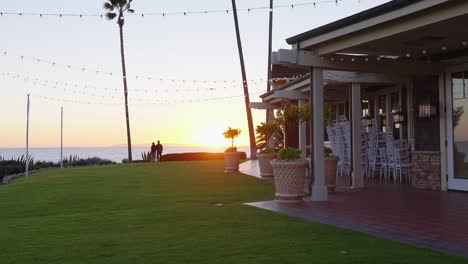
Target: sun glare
(210, 137)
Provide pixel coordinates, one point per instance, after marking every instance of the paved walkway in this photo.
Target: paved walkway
(430, 219)
(250, 167)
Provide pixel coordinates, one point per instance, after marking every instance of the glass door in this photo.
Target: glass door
(457, 124)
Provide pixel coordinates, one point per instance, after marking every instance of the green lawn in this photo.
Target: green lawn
(164, 213)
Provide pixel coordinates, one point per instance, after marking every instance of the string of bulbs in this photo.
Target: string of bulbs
(177, 13)
(100, 72)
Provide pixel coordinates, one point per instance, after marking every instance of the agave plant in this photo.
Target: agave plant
(146, 156)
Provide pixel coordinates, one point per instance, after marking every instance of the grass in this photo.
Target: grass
(166, 213)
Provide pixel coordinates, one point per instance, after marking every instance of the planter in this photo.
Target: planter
(289, 180)
(264, 159)
(331, 163)
(231, 161)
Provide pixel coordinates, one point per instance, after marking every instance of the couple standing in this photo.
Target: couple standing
(156, 152)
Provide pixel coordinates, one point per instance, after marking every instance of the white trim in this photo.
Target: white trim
(262, 106)
(290, 95)
(408, 10)
(307, 59)
(319, 190)
(443, 132)
(452, 183)
(409, 18)
(356, 105)
(410, 110)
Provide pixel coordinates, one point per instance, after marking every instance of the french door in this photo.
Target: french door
(457, 128)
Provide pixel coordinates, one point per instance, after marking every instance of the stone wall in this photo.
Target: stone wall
(425, 171)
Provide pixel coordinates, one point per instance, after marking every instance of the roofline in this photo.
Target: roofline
(356, 18)
(298, 80)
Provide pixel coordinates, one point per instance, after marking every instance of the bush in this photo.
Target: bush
(10, 167)
(196, 156)
(89, 162)
(290, 154)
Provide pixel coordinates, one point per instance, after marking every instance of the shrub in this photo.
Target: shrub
(10, 167)
(146, 156)
(290, 154)
(327, 151)
(231, 133)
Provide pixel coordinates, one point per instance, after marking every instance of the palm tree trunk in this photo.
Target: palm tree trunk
(124, 73)
(269, 113)
(253, 146)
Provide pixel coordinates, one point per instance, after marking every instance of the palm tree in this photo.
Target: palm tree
(116, 9)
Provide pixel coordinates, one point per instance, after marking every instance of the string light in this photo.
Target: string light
(142, 77)
(70, 87)
(183, 13)
(140, 101)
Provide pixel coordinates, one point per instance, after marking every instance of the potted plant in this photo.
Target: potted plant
(288, 118)
(264, 132)
(231, 155)
(289, 173)
(331, 163)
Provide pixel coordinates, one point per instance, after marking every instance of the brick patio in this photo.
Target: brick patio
(431, 219)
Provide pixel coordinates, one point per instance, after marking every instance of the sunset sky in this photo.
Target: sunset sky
(193, 47)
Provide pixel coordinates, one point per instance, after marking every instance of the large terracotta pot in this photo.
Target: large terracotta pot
(264, 159)
(331, 163)
(289, 180)
(231, 161)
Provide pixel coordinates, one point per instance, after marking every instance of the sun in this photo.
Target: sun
(209, 136)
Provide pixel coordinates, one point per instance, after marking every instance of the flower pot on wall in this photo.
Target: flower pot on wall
(289, 180)
(331, 163)
(231, 161)
(264, 159)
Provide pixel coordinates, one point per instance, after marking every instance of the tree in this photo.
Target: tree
(253, 145)
(264, 132)
(117, 9)
(231, 133)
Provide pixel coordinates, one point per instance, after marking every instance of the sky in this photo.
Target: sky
(164, 56)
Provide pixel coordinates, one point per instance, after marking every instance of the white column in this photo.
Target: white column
(27, 139)
(443, 85)
(400, 105)
(357, 175)
(302, 135)
(388, 110)
(319, 190)
(61, 137)
(409, 106)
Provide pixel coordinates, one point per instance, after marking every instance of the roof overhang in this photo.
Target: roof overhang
(299, 89)
(301, 58)
(419, 28)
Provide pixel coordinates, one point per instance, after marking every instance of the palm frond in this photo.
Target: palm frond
(114, 2)
(111, 16)
(131, 11)
(122, 3)
(109, 6)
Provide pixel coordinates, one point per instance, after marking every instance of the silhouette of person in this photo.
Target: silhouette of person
(159, 150)
(153, 152)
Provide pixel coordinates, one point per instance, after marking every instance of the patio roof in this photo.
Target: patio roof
(359, 17)
(332, 80)
(399, 31)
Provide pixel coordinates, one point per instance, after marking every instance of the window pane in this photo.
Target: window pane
(460, 126)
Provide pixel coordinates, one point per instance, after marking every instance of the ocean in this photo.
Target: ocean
(116, 154)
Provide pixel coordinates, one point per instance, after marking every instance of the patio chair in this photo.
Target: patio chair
(383, 169)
